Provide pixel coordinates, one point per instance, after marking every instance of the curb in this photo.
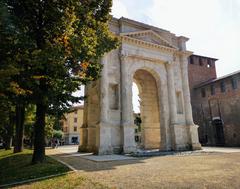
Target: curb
(64, 163)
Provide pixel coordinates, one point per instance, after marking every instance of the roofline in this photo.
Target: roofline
(142, 24)
(217, 79)
(146, 25)
(204, 57)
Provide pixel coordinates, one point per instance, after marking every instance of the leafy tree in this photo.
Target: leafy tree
(57, 48)
(12, 74)
(57, 134)
(29, 124)
(6, 123)
(138, 121)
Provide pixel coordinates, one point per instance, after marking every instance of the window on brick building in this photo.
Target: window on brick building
(212, 90)
(200, 61)
(75, 129)
(191, 60)
(222, 86)
(203, 92)
(75, 120)
(209, 63)
(234, 83)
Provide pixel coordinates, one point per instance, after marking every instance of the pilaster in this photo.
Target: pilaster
(83, 130)
(193, 129)
(103, 129)
(127, 122)
(172, 102)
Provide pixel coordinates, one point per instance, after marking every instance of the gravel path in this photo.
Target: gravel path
(207, 170)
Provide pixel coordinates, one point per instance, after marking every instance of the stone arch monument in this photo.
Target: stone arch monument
(156, 60)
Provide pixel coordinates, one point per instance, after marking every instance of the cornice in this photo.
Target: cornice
(148, 32)
(147, 44)
(184, 53)
(126, 54)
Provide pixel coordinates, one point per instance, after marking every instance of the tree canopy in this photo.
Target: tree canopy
(51, 47)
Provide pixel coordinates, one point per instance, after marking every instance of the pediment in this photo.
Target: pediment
(149, 36)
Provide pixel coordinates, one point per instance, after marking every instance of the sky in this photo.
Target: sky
(213, 26)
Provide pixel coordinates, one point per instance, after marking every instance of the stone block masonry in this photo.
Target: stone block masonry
(148, 56)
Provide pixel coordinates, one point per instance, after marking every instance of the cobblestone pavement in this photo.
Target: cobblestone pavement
(201, 170)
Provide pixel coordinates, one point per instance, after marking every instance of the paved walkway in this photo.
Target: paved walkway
(203, 170)
(71, 149)
(221, 149)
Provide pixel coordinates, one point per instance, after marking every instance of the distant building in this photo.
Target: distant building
(71, 124)
(215, 102)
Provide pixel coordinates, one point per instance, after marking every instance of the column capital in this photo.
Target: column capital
(103, 59)
(184, 53)
(169, 64)
(123, 54)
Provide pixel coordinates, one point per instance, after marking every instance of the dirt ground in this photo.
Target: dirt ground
(207, 170)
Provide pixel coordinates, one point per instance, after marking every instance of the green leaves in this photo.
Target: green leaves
(47, 44)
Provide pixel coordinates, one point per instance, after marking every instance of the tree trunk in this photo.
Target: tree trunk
(20, 115)
(9, 131)
(39, 135)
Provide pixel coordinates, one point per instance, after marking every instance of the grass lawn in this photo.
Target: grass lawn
(17, 167)
(68, 181)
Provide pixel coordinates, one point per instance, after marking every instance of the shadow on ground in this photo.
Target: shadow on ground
(79, 162)
(18, 167)
(203, 170)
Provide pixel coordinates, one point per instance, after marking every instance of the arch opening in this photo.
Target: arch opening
(146, 111)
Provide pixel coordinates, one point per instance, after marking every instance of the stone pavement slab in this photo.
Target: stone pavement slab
(221, 149)
(104, 158)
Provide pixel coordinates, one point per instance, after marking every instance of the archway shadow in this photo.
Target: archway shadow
(83, 162)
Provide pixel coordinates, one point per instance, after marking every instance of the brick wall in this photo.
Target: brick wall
(215, 104)
(201, 69)
(225, 105)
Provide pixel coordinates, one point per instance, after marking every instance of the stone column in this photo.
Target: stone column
(104, 91)
(193, 129)
(127, 122)
(186, 91)
(172, 95)
(172, 102)
(83, 130)
(103, 131)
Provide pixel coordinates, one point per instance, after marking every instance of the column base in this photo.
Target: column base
(83, 139)
(103, 139)
(87, 149)
(105, 150)
(92, 149)
(129, 149)
(196, 146)
(180, 142)
(82, 148)
(129, 144)
(193, 130)
(185, 137)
